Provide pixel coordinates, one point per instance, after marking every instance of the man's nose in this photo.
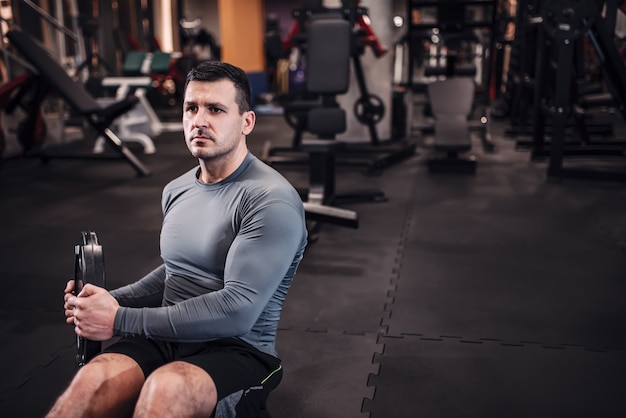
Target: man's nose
(201, 119)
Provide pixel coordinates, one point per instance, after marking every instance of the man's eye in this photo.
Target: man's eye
(215, 110)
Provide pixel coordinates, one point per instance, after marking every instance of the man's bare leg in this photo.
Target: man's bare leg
(177, 389)
(107, 386)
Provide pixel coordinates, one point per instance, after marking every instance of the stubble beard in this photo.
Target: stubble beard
(207, 154)
(210, 151)
(206, 151)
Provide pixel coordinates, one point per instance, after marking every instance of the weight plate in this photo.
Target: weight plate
(88, 268)
(369, 109)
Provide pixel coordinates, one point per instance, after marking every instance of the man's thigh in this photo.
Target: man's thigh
(243, 375)
(149, 354)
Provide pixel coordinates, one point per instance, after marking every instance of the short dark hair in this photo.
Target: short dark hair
(217, 71)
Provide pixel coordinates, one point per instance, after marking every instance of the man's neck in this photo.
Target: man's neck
(216, 170)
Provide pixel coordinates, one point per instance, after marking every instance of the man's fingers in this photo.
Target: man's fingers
(88, 290)
(69, 287)
(70, 302)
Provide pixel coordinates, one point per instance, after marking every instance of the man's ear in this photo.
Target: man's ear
(249, 119)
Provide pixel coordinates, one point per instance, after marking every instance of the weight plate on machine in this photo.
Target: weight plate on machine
(369, 109)
(88, 268)
(567, 19)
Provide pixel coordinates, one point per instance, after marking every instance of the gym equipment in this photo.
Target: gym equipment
(368, 109)
(155, 64)
(139, 63)
(141, 123)
(88, 268)
(327, 75)
(95, 65)
(460, 37)
(32, 130)
(134, 125)
(517, 100)
(166, 71)
(451, 36)
(197, 41)
(563, 23)
(451, 103)
(52, 75)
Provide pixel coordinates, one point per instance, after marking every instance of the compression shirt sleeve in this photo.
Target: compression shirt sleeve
(147, 291)
(259, 258)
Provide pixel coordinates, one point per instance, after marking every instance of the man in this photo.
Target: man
(198, 332)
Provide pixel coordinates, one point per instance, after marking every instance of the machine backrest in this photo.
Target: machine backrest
(328, 54)
(53, 73)
(328, 71)
(452, 96)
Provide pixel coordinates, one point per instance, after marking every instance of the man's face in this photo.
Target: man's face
(212, 124)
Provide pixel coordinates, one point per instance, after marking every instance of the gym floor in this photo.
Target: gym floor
(494, 295)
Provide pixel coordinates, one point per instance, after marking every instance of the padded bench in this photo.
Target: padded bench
(451, 102)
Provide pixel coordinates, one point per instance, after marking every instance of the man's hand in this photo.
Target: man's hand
(69, 313)
(92, 312)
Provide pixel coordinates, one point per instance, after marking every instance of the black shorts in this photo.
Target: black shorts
(243, 375)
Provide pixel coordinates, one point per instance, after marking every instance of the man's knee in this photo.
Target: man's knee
(106, 386)
(177, 381)
(109, 369)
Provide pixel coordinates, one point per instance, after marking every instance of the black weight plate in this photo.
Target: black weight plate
(369, 109)
(89, 268)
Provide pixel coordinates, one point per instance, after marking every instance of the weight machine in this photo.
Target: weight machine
(453, 41)
(563, 24)
(587, 91)
(368, 109)
(327, 76)
(47, 75)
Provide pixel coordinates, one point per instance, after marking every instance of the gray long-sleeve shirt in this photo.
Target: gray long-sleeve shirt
(230, 251)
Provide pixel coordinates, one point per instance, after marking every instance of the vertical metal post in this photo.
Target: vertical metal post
(561, 107)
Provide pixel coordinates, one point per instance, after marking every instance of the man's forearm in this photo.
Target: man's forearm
(147, 292)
